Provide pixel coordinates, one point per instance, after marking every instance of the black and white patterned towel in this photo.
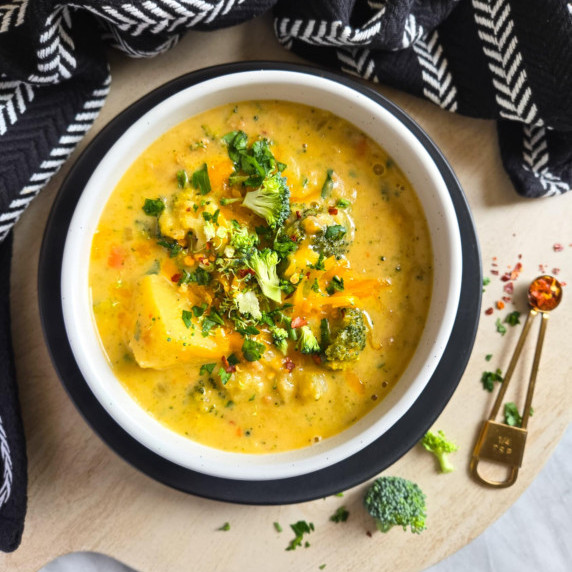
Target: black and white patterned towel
(509, 60)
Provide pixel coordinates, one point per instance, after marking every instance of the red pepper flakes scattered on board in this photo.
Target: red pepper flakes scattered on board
(511, 276)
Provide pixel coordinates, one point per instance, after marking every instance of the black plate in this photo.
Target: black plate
(341, 476)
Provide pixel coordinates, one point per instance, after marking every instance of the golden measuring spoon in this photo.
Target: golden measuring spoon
(498, 441)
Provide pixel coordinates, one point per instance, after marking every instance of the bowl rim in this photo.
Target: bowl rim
(257, 65)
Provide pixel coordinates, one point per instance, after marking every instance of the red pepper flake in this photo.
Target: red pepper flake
(516, 271)
(556, 271)
(505, 277)
(495, 272)
(500, 305)
(242, 272)
(298, 214)
(494, 257)
(557, 247)
(298, 322)
(176, 277)
(509, 287)
(542, 267)
(489, 311)
(293, 238)
(289, 364)
(333, 211)
(317, 359)
(506, 298)
(227, 367)
(494, 264)
(520, 256)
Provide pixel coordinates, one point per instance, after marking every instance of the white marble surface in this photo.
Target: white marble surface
(534, 535)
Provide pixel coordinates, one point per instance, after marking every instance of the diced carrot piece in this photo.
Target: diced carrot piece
(116, 257)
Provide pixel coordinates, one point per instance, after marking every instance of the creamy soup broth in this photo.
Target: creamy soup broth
(148, 311)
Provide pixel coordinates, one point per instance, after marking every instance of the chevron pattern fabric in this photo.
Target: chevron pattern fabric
(508, 60)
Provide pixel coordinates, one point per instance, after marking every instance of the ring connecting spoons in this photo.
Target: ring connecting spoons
(500, 442)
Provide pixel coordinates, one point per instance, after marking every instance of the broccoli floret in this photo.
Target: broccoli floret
(247, 303)
(307, 342)
(395, 501)
(280, 338)
(440, 446)
(332, 241)
(241, 239)
(264, 262)
(348, 341)
(271, 201)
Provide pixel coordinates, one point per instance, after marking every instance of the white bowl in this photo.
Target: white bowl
(382, 126)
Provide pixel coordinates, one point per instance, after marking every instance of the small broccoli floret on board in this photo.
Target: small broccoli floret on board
(440, 446)
(395, 501)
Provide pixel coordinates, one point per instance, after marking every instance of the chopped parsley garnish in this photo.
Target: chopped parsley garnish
(207, 368)
(277, 527)
(171, 245)
(343, 203)
(319, 263)
(224, 375)
(200, 276)
(187, 318)
(201, 180)
(512, 416)
(287, 287)
(198, 311)
(500, 328)
(284, 245)
(513, 318)
(335, 285)
(248, 331)
(211, 321)
(325, 334)
(182, 179)
(153, 207)
(335, 232)
(341, 515)
(315, 286)
(328, 184)
(486, 281)
(251, 164)
(300, 528)
(216, 317)
(252, 350)
(232, 359)
(489, 377)
(225, 526)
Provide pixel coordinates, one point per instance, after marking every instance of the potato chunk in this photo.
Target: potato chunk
(160, 338)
